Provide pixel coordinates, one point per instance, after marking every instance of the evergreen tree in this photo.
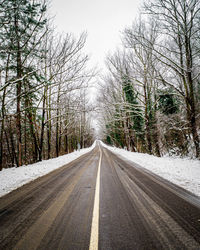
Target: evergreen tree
(133, 106)
(168, 102)
(22, 29)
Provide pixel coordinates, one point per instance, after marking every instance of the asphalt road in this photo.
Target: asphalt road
(100, 201)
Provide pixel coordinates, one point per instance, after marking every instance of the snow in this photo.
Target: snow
(183, 172)
(180, 171)
(12, 178)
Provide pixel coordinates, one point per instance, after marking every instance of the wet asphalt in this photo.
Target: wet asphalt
(137, 209)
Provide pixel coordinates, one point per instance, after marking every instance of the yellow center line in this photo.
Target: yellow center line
(94, 237)
(35, 234)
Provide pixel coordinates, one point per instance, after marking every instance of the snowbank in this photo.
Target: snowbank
(180, 171)
(12, 178)
(183, 172)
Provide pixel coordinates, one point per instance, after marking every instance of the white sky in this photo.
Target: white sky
(102, 19)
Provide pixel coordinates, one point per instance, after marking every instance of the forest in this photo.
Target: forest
(148, 100)
(150, 95)
(43, 82)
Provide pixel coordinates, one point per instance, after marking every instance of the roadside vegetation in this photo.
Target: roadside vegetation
(150, 97)
(43, 81)
(148, 101)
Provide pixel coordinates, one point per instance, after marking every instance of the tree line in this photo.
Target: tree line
(43, 82)
(150, 97)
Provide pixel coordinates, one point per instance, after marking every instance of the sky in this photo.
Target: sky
(103, 20)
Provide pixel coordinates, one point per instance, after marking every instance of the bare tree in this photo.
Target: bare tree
(143, 67)
(51, 94)
(178, 51)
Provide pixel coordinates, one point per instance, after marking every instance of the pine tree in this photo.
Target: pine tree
(168, 102)
(134, 112)
(22, 28)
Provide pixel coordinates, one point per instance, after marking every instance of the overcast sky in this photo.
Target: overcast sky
(102, 19)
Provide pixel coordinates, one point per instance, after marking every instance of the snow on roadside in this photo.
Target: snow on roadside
(180, 171)
(12, 178)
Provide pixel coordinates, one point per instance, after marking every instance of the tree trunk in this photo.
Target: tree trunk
(3, 115)
(66, 144)
(25, 138)
(147, 119)
(18, 93)
(156, 135)
(57, 136)
(9, 150)
(191, 114)
(57, 123)
(35, 151)
(49, 138)
(42, 125)
(12, 143)
(148, 134)
(2, 131)
(49, 125)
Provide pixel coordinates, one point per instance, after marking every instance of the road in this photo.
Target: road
(100, 201)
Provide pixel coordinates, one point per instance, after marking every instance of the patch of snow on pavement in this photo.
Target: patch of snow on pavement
(180, 171)
(12, 178)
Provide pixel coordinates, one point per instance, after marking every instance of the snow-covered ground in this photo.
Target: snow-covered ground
(181, 171)
(12, 178)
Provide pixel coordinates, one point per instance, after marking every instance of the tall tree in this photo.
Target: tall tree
(21, 35)
(179, 51)
(143, 64)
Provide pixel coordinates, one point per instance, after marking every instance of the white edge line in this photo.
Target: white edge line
(94, 237)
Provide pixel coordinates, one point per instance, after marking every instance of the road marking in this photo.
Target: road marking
(94, 237)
